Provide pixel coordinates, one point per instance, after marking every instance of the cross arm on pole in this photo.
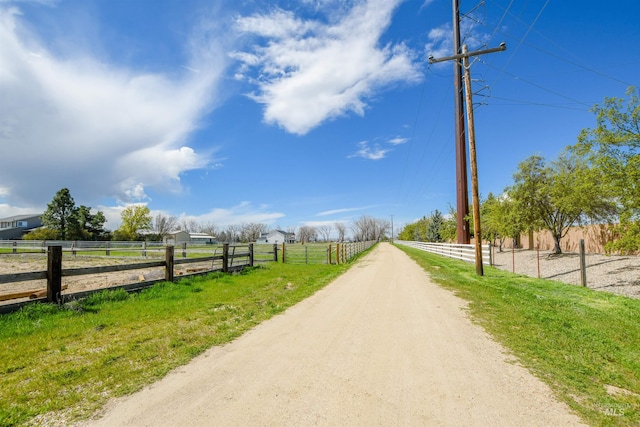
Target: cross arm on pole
(503, 46)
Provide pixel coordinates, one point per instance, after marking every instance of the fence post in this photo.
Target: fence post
(306, 254)
(283, 252)
(337, 253)
(168, 257)
(225, 258)
(54, 273)
(144, 248)
(275, 252)
(44, 245)
(184, 249)
(251, 254)
(490, 254)
(329, 254)
(107, 246)
(583, 264)
(15, 247)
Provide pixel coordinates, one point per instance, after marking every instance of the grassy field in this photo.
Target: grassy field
(584, 344)
(65, 363)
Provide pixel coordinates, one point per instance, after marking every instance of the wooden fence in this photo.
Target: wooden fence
(458, 251)
(225, 258)
(229, 258)
(321, 253)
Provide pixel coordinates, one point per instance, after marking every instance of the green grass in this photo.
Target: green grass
(70, 360)
(579, 341)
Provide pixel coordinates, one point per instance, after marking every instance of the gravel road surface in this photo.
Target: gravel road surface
(381, 345)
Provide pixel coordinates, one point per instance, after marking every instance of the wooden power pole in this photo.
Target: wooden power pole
(462, 192)
(464, 56)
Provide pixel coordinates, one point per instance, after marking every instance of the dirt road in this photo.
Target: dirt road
(379, 346)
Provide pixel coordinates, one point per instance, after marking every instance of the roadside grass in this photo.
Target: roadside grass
(584, 344)
(68, 361)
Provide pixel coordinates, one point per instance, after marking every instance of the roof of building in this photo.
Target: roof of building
(19, 217)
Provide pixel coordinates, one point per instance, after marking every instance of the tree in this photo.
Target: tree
(135, 218)
(189, 225)
(613, 150)
(91, 225)
(341, 229)
(557, 196)
(325, 231)
(210, 228)
(416, 231)
(164, 224)
(232, 233)
(308, 234)
(449, 229)
(436, 222)
(41, 233)
(61, 216)
(367, 228)
(250, 232)
(500, 219)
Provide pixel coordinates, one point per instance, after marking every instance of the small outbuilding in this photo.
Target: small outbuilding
(181, 236)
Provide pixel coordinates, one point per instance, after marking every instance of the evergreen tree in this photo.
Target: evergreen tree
(61, 216)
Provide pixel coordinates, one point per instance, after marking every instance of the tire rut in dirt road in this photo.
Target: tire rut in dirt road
(381, 345)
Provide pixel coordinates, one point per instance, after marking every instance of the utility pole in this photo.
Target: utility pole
(391, 228)
(462, 191)
(464, 56)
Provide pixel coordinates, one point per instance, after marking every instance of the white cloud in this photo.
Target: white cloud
(311, 71)
(338, 211)
(370, 153)
(99, 129)
(243, 213)
(398, 141)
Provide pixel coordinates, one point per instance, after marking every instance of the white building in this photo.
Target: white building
(276, 236)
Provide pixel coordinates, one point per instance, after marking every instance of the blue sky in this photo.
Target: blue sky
(290, 113)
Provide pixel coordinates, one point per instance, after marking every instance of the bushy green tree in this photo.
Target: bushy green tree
(613, 150)
(449, 228)
(500, 219)
(557, 196)
(135, 218)
(41, 233)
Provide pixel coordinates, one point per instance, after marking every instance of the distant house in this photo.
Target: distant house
(14, 227)
(276, 236)
(181, 236)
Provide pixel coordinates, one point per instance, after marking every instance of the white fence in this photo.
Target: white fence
(457, 251)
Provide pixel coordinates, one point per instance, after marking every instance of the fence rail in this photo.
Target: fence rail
(225, 258)
(458, 251)
(314, 253)
(230, 258)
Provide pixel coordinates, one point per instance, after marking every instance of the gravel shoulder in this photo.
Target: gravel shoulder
(615, 274)
(381, 345)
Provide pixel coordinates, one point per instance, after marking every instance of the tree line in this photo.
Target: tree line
(596, 180)
(63, 220)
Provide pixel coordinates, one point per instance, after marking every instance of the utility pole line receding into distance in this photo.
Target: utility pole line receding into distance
(475, 194)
